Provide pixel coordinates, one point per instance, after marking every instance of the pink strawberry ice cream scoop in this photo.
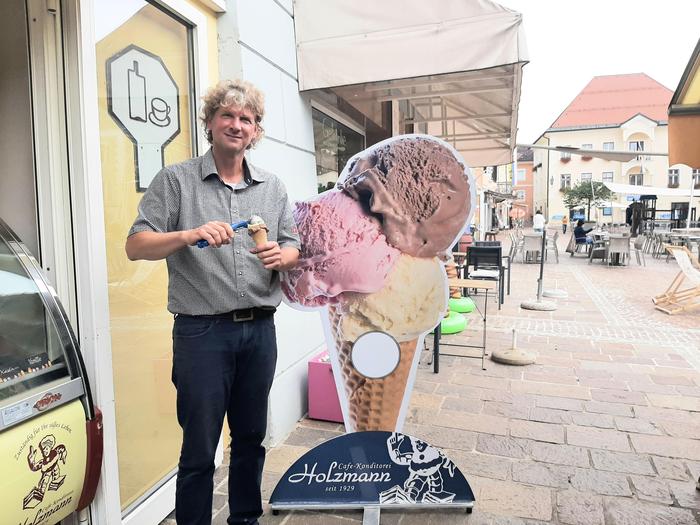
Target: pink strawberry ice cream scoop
(418, 189)
(342, 250)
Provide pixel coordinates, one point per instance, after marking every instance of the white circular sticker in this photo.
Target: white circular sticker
(375, 354)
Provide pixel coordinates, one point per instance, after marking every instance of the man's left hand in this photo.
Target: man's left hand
(270, 254)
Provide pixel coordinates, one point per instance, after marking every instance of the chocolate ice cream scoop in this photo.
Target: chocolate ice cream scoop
(419, 190)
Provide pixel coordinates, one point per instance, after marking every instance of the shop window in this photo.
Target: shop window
(335, 143)
(607, 211)
(673, 178)
(696, 178)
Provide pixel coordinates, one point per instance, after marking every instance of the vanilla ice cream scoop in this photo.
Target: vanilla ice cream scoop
(257, 230)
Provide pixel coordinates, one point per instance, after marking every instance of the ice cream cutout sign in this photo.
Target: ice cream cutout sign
(371, 262)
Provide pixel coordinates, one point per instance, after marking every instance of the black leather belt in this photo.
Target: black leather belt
(238, 316)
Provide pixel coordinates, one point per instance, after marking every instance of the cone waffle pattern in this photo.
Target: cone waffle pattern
(259, 237)
(374, 404)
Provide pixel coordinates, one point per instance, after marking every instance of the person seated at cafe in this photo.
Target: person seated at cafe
(581, 233)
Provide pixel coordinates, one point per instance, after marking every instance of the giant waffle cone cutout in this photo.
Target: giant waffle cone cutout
(372, 404)
(371, 262)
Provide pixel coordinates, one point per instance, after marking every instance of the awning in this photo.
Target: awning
(621, 156)
(454, 67)
(629, 189)
(498, 196)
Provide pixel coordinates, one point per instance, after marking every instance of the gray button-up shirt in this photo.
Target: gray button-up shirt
(206, 281)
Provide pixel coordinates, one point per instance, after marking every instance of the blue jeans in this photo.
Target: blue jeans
(222, 368)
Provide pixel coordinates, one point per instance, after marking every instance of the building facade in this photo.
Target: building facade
(612, 113)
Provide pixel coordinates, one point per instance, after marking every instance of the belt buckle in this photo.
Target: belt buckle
(239, 316)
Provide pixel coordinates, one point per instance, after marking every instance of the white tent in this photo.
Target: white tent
(453, 67)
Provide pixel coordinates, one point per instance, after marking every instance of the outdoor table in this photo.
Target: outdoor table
(466, 285)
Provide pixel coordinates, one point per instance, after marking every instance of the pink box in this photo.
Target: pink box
(323, 396)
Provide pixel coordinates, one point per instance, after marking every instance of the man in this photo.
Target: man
(538, 222)
(223, 298)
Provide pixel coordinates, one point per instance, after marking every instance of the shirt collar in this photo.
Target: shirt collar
(209, 168)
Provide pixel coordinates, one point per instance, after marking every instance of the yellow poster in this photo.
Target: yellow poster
(43, 466)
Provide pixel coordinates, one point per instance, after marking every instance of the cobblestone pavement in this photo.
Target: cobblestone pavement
(604, 429)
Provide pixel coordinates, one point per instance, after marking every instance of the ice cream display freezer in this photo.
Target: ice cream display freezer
(50, 431)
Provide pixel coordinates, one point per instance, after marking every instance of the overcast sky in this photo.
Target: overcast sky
(571, 41)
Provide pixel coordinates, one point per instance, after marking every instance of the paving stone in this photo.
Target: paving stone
(636, 425)
(671, 380)
(474, 422)
(503, 446)
(505, 498)
(537, 431)
(442, 437)
(619, 396)
(614, 409)
(471, 406)
(605, 483)
(425, 400)
(550, 415)
(561, 403)
(684, 430)
(546, 389)
(626, 511)
(546, 474)
(448, 389)
(677, 402)
(670, 468)
(686, 494)
(507, 410)
(560, 454)
(692, 391)
(421, 385)
(579, 508)
(550, 378)
(666, 446)
(279, 459)
(588, 419)
(459, 378)
(480, 464)
(310, 437)
(597, 438)
(657, 414)
(651, 489)
(621, 462)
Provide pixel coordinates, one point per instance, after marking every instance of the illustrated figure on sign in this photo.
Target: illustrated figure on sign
(425, 464)
(48, 464)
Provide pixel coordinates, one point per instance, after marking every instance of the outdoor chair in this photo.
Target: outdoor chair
(639, 244)
(676, 300)
(598, 249)
(486, 263)
(551, 245)
(506, 259)
(531, 245)
(516, 245)
(618, 248)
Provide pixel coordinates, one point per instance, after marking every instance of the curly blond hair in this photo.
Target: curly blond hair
(238, 94)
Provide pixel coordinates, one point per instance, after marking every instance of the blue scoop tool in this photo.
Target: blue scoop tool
(201, 243)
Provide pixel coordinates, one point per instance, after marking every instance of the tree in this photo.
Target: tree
(587, 193)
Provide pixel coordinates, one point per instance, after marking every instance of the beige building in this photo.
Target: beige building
(615, 113)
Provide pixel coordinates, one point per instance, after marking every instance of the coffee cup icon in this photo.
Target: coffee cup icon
(160, 112)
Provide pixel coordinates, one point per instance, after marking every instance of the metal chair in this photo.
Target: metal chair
(507, 259)
(552, 245)
(619, 246)
(486, 262)
(532, 244)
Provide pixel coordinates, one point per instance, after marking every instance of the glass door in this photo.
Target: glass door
(146, 119)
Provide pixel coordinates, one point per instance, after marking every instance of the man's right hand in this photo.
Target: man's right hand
(216, 233)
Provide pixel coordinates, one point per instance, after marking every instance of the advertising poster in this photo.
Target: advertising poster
(372, 263)
(43, 465)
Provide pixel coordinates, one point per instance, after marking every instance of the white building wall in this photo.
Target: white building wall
(256, 43)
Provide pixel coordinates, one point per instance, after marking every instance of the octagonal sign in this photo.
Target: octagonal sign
(142, 98)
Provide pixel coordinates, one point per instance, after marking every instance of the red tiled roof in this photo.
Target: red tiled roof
(614, 99)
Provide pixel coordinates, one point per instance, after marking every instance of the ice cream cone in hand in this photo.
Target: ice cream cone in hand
(257, 230)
